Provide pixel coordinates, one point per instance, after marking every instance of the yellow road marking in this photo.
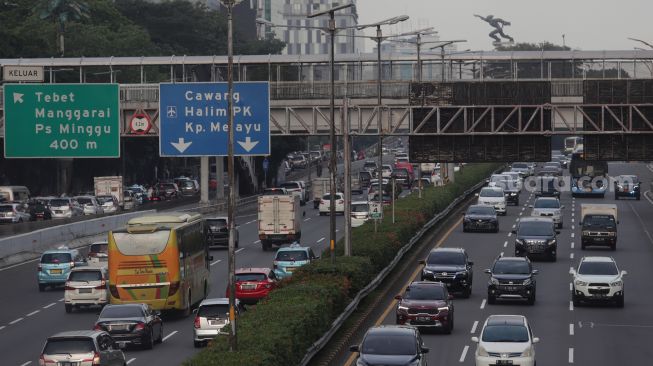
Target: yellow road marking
(393, 303)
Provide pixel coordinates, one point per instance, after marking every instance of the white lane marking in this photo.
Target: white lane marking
(501, 255)
(33, 312)
(571, 287)
(131, 360)
(19, 264)
(483, 303)
(571, 328)
(306, 219)
(571, 255)
(49, 305)
(26, 363)
(321, 240)
(464, 354)
(521, 213)
(60, 300)
(250, 222)
(572, 235)
(523, 209)
(474, 327)
(642, 222)
(505, 243)
(573, 227)
(15, 321)
(509, 234)
(2, 327)
(572, 245)
(337, 230)
(571, 306)
(573, 214)
(514, 226)
(571, 355)
(169, 335)
(257, 242)
(645, 196)
(216, 262)
(240, 250)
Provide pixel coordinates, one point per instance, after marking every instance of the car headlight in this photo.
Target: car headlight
(445, 308)
(585, 233)
(612, 233)
(494, 281)
(527, 282)
(580, 283)
(527, 352)
(482, 352)
(461, 274)
(361, 363)
(617, 283)
(552, 242)
(513, 194)
(427, 272)
(402, 308)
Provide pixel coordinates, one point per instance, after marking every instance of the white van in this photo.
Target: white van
(17, 194)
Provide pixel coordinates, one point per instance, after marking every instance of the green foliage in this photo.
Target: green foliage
(542, 46)
(279, 330)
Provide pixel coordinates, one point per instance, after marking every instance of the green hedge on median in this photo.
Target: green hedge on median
(280, 329)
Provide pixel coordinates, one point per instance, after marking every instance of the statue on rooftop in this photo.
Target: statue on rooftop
(498, 25)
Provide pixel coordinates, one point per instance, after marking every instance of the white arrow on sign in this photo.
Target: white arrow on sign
(248, 145)
(18, 98)
(181, 145)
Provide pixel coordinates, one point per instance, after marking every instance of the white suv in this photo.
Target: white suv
(495, 197)
(210, 317)
(598, 279)
(505, 340)
(548, 207)
(86, 286)
(325, 204)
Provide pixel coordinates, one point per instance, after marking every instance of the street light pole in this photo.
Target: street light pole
(379, 102)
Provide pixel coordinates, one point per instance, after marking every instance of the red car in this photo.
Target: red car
(426, 305)
(253, 284)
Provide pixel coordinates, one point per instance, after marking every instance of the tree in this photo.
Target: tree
(61, 11)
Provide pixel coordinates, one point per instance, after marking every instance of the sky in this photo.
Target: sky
(587, 24)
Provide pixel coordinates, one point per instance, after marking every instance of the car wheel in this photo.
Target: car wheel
(613, 247)
(467, 292)
(160, 338)
(582, 245)
(574, 299)
(496, 229)
(560, 225)
(620, 301)
(638, 197)
(553, 258)
(465, 229)
(198, 344)
(149, 342)
(491, 299)
(69, 308)
(531, 299)
(41, 287)
(449, 327)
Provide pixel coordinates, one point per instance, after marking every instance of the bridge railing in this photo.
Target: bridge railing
(322, 90)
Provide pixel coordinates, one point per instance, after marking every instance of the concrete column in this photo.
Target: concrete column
(204, 180)
(219, 168)
(450, 169)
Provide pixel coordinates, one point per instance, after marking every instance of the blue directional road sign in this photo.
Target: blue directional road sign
(194, 119)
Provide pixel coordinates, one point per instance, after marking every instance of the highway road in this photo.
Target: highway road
(28, 316)
(588, 335)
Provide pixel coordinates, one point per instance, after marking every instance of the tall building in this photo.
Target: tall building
(302, 41)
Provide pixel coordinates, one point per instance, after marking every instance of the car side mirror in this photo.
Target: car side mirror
(535, 271)
(536, 340)
(422, 261)
(450, 297)
(425, 350)
(487, 271)
(195, 310)
(572, 271)
(353, 348)
(513, 231)
(623, 273)
(475, 339)
(470, 263)
(398, 297)
(210, 257)
(530, 206)
(562, 207)
(557, 232)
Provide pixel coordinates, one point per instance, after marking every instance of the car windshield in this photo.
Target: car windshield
(598, 268)
(546, 204)
(451, 258)
(360, 207)
(520, 166)
(505, 333)
(489, 192)
(54, 258)
(104, 199)
(292, 255)
(187, 183)
(242, 277)
(369, 165)
(499, 178)
(598, 220)
(121, 312)
(511, 267)
(59, 202)
(535, 228)
(290, 186)
(389, 344)
(215, 224)
(481, 210)
(84, 200)
(627, 179)
(213, 311)
(166, 186)
(57, 346)
(327, 197)
(426, 292)
(99, 248)
(141, 243)
(6, 208)
(85, 276)
(273, 192)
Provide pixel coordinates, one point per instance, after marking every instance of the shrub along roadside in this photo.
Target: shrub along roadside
(280, 329)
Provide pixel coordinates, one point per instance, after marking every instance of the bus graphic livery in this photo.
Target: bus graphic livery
(588, 178)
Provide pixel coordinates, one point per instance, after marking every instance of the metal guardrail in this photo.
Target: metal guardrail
(340, 320)
(222, 206)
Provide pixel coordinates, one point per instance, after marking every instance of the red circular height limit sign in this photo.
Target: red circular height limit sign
(140, 123)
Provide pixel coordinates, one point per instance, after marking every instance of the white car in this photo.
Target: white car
(598, 279)
(210, 317)
(493, 196)
(523, 169)
(360, 212)
(109, 203)
(14, 213)
(386, 171)
(65, 207)
(505, 340)
(548, 207)
(86, 286)
(90, 204)
(325, 204)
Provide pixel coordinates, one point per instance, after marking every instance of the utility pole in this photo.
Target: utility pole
(347, 163)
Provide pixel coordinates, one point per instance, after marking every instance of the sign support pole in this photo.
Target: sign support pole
(347, 163)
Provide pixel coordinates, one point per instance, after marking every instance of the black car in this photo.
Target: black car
(217, 232)
(402, 176)
(481, 218)
(38, 210)
(511, 278)
(545, 184)
(135, 324)
(627, 186)
(450, 266)
(536, 237)
(391, 345)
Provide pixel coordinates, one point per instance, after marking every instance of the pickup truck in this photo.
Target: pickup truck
(279, 220)
(598, 224)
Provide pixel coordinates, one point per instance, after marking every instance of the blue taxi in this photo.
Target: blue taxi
(289, 258)
(55, 265)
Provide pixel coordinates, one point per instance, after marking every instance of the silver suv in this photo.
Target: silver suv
(82, 348)
(210, 317)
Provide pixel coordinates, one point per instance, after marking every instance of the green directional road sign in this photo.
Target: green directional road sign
(62, 121)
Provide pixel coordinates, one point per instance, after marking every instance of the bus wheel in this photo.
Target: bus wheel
(187, 310)
(205, 290)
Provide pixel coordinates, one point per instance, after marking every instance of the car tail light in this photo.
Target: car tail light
(197, 322)
(322, 202)
(98, 327)
(96, 359)
(42, 360)
(114, 291)
(174, 287)
(341, 202)
(101, 286)
(139, 326)
(72, 264)
(68, 287)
